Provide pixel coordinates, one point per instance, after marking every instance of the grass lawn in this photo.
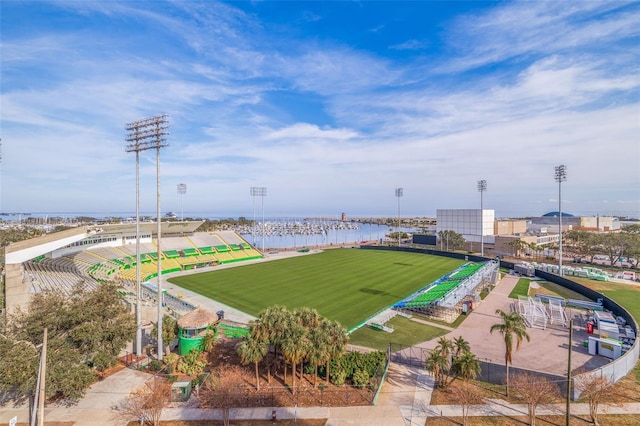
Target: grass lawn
(347, 285)
(548, 288)
(521, 288)
(405, 331)
(626, 295)
(553, 289)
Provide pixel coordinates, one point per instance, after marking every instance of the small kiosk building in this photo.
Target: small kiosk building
(193, 327)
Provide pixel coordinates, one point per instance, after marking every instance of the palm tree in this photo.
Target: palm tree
(275, 320)
(461, 346)
(436, 363)
(307, 317)
(517, 246)
(294, 348)
(252, 350)
(208, 341)
(319, 350)
(467, 366)
(445, 346)
(259, 331)
(338, 339)
(512, 325)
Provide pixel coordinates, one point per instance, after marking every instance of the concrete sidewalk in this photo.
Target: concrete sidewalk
(404, 401)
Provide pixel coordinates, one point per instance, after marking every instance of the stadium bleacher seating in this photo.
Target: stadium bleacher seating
(98, 264)
(438, 290)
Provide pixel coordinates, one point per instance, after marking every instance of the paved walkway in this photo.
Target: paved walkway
(404, 401)
(546, 351)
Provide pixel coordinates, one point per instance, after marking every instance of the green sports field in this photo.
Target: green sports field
(347, 285)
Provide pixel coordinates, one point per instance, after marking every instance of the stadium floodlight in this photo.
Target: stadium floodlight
(560, 176)
(482, 187)
(259, 191)
(399, 193)
(182, 189)
(146, 134)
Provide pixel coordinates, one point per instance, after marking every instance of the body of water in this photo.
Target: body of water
(312, 234)
(280, 233)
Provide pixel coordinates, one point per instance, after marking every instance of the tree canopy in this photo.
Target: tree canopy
(299, 335)
(450, 240)
(86, 331)
(615, 245)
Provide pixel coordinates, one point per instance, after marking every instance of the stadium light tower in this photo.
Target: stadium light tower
(259, 191)
(399, 195)
(482, 187)
(182, 189)
(560, 176)
(146, 134)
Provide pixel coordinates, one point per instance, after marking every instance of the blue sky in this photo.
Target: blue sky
(330, 105)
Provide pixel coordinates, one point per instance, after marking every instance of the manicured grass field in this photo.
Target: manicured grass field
(347, 285)
(406, 332)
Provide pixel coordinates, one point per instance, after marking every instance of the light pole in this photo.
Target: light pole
(482, 187)
(399, 195)
(560, 176)
(568, 407)
(253, 191)
(259, 191)
(144, 135)
(182, 189)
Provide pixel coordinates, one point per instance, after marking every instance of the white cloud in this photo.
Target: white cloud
(543, 27)
(310, 131)
(410, 45)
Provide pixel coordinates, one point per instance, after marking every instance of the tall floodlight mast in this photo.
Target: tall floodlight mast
(146, 134)
(252, 191)
(259, 191)
(399, 194)
(482, 187)
(560, 176)
(182, 189)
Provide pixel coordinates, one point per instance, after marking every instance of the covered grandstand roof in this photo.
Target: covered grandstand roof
(21, 251)
(168, 228)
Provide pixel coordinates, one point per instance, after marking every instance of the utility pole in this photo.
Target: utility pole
(560, 176)
(43, 375)
(482, 187)
(399, 193)
(568, 415)
(182, 189)
(259, 191)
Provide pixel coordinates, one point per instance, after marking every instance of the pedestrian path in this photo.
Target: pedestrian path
(503, 408)
(404, 401)
(432, 324)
